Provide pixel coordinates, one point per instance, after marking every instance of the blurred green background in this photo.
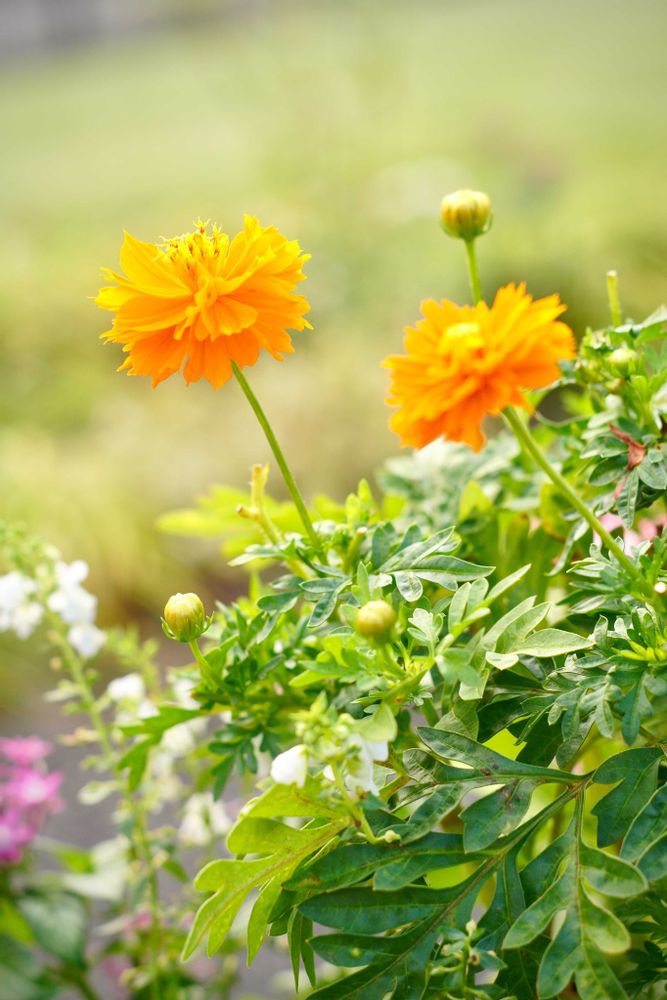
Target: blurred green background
(343, 123)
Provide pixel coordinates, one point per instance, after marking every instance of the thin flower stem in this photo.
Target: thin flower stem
(77, 670)
(614, 301)
(531, 446)
(279, 457)
(207, 672)
(140, 839)
(473, 271)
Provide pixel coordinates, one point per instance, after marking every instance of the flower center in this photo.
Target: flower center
(196, 247)
(463, 334)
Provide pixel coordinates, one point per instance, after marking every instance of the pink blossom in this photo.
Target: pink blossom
(15, 833)
(29, 788)
(28, 795)
(612, 521)
(24, 750)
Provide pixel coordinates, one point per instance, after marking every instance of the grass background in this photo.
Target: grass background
(343, 123)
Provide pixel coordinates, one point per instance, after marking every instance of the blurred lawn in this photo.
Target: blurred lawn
(343, 124)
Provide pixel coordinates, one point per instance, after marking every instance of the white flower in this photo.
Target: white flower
(203, 819)
(70, 601)
(182, 688)
(131, 687)
(168, 787)
(359, 765)
(17, 611)
(26, 619)
(180, 740)
(86, 639)
(291, 767)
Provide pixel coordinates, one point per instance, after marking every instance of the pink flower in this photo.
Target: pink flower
(25, 750)
(15, 833)
(28, 794)
(612, 521)
(29, 789)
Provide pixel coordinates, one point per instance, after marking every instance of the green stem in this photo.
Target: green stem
(614, 301)
(207, 672)
(279, 457)
(153, 899)
(473, 271)
(531, 446)
(140, 839)
(78, 673)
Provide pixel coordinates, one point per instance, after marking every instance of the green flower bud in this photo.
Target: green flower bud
(375, 619)
(465, 215)
(185, 618)
(622, 359)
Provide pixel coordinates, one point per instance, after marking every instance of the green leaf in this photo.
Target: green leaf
(260, 835)
(496, 814)
(627, 498)
(506, 584)
(21, 977)
(59, 922)
(550, 642)
(136, 759)
(485, 762)
(354, 950)
(362, 911)
(232, 880)
(537, 917)
(594, 978)
(259, 915)
(602, 927)
(379, 726)
(610, 875)
(647, 831)
(515, 625)
(425, 627)
(637, 772)
(560, 958)
(289, 800)
(409, 586)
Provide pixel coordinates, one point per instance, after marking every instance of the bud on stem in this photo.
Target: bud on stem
(375, 619)
(465, 215)
(184, 618)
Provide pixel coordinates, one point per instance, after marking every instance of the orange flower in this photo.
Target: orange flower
(464, 362)
(204, 300)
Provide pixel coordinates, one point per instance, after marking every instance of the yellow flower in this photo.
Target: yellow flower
(464, 362)
(200, 301)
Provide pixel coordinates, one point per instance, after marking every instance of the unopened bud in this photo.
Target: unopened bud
(466, 215)
(375, 619)
(185, 618)
(391, 837)
(622, 359)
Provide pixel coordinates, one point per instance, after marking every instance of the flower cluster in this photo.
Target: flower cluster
(56, 588)
(28, 794)
(340, 752)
